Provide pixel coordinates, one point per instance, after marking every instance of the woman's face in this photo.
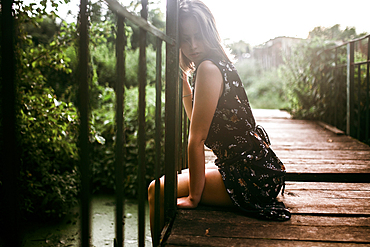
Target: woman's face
(191, 41)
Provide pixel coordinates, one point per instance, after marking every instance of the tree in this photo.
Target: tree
(240, 49)
(334, 33)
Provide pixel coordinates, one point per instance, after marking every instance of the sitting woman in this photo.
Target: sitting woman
(247, 172)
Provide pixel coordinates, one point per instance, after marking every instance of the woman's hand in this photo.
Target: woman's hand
(186, 202)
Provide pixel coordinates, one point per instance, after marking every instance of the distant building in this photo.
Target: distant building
(270, 54)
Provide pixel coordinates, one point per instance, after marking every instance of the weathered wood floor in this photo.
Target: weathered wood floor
(328, 193)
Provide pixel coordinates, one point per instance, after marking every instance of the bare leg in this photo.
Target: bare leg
(214, 192)
(208, 166)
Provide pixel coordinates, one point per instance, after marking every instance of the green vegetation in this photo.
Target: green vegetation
(47, 113)
(265, 89)
(308, 73)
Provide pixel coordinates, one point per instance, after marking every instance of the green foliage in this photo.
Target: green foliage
(47, 126)
(104, 146)
(317, 88)
(300, 76)
(43, 30)
(47, 72)
(104, 62)
(264, 88)
(49, 177)
(240, 49)
(334, 33)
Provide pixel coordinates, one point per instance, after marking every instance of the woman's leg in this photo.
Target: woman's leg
(208, 166)
(214, 192)
(182, 190)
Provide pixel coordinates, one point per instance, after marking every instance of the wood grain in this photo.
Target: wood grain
(324, 212)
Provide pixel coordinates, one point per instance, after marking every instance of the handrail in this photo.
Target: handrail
(142, 23)
(344, 43)
(351, 78)
(172, 122)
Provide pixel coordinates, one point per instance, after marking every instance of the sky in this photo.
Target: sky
(257, 21)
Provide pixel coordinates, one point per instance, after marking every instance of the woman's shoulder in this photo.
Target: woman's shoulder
(208, 65)
(213, 63)
(208, 69)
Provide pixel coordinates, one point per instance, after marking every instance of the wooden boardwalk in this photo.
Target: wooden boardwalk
(328, 193)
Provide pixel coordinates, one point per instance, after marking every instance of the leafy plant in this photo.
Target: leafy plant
(103, 147)
(49, 175)
(264, 88)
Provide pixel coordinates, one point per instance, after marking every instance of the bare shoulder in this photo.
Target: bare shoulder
(207, 70)
(208, 66)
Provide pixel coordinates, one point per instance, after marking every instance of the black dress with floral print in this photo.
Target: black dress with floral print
(253, 175)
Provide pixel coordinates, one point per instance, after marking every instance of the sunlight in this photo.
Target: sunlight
(256, 22)
(259, 21)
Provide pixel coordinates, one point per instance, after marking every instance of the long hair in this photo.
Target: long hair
(207, 25)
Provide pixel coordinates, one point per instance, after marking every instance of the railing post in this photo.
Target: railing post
(141, 133)
(84, 129)
(358, 102)
(9, 158)
(120, 138)
(350, 88)
(336, 87)
(172, 95)
(158, 139)
(367, 93)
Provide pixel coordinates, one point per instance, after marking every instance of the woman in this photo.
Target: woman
(246, 173)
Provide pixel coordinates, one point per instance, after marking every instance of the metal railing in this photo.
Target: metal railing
(173, 118)
(344, 81)
(173, 121)
(9, 153)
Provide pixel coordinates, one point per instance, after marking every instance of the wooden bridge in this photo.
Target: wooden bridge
(328, 176)
(327, 192)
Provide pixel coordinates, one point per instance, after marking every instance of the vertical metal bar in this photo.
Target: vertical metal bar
(9, 170)
(141, 133)
(172, 70)
(185, 141)
(120, 138)
(336, 91)
(367, 128)
(178, 129)
(84, 129)
(158, 139)
(358, 101)
(350, 88)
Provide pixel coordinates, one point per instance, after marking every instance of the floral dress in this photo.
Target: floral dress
(253, 175)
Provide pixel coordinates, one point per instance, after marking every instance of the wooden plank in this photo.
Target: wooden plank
(230, 215)
(324, 154)
(185, 240)
(327, 145)
(327, 198)
(223, 224)
(319, 165)
(294, 137)
(328, 177)
(331, 128)
(328, 186)
(316, 167)
(324, 214)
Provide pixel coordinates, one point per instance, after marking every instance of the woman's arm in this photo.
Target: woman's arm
(208, 88)
(187, 97)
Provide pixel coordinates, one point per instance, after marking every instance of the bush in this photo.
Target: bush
(49, 177)
(264, 88)
(300, 74)
(48, 121)
(103, 148)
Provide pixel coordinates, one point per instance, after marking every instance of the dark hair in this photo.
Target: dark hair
(207, 25)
